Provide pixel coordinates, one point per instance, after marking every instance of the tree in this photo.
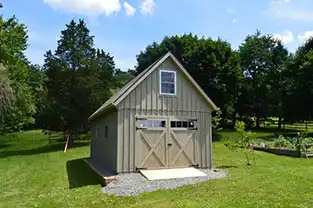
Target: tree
(37, 83)
(6, 91)
(13, 43)
(122, 77)
(300, 73)
(101, 79)
(79, 81)
(66, 70)
(213, 64)
(262, 59)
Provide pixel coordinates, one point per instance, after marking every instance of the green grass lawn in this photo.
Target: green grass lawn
(36, 174)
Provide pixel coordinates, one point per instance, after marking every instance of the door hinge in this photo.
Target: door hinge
(196, 120)
(137, 169)
(195, 166)
(137, 128)
(138, 118)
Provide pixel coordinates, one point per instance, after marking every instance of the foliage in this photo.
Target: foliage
(281, 141)
(262, 59)
(6, 91)
(216, 124)
(242, 141)
(121, 78)
(300, 83)
(13, 43)
(67, 106)
(80, 79)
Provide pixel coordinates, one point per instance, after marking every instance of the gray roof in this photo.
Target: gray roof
(114, 100)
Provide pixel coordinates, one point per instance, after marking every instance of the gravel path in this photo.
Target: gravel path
(132, 184)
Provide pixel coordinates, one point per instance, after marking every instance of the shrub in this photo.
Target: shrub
(85, 136)
(242, 142)
(281, 141)
(216, 125)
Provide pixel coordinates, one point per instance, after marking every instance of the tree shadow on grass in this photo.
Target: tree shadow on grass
(4, 145)
(39, 150)
(226, 166)
(80, 174)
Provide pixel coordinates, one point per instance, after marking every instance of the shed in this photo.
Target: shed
(160, 119)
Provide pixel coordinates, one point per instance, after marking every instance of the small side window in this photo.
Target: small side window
(97, 133)
(106, 132)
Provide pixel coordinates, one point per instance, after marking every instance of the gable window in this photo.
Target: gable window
(167, 82)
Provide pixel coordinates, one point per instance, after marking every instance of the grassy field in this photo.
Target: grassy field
(37, 174)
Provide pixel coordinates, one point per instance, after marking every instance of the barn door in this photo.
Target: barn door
(183, 144)
(151, 141)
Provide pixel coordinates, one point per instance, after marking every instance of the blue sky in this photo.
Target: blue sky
(124, 28)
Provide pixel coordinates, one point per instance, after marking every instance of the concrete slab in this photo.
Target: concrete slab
(163, 174)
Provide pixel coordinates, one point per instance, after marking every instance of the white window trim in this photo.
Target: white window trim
(175, 82)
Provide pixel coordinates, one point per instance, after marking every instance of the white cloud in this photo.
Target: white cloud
(234, 20)
(130, 10)
(291, 10)
(147, 6)
(305, 36)
(286, 37)
(86, 7)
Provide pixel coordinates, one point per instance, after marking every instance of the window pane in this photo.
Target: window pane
(168, 77)
(191, 124)
(173, 124)
(152, 124)
(185, 124)
(143, 123)
(163, 124)
(179, 124)
(168, 88)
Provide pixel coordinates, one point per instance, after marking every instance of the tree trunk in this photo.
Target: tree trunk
(71, 140)
(257, 122)
(247, 157)
(234, 120)
(279, 122)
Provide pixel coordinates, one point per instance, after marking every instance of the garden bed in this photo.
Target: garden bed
(286, 152)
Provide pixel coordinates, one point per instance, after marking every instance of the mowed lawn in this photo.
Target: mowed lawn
(36, 174)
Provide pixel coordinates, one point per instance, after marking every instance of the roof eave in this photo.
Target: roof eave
(101, 111)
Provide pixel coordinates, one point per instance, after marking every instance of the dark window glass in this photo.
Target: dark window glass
(173, 124)
(179, 124)
(106, 131)
(185, 124)
(163, 124)
(168, 88)
(168, 76)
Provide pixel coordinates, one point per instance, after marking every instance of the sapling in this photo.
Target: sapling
(242, 141)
